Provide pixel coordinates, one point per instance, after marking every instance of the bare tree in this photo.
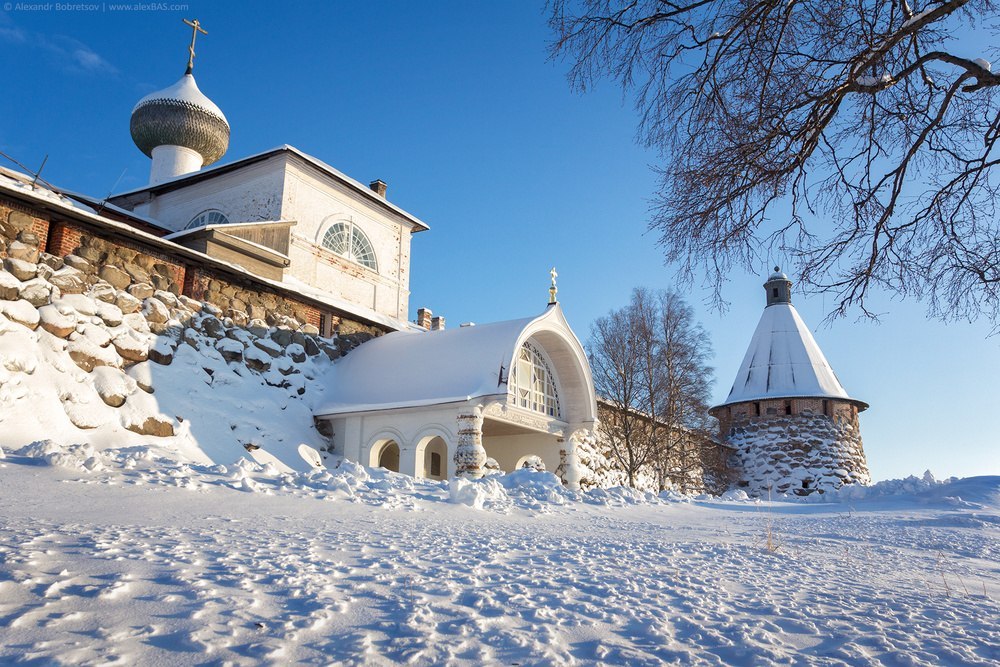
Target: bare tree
(649, 362)
(685, 380)
(875, 114)
(619, 367)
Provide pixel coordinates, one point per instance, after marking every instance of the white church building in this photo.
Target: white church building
(420, 399)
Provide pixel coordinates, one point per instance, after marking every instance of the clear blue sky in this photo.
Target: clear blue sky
(456, 106)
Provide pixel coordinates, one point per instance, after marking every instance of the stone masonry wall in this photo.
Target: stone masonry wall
(108, 336)
(801, 454)
(82, 259)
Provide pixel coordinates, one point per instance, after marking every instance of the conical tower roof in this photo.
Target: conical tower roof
(783, 360)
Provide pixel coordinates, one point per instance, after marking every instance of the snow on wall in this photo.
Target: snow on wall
(798, 454)
(103, 368)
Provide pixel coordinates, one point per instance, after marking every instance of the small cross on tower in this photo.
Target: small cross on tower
(553, 290)
(195, 29)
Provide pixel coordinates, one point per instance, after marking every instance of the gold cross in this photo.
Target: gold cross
(195, 29)
(553, 290)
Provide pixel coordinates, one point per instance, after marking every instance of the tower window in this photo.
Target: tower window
(774, 292)
(788, 407)
(826, 407)
(210, 217)
(756, 409)
(346, 240)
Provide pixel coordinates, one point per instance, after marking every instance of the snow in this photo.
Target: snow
(985, 64)
(234, 541)
(124, 556)
(185, 90)
(408, 368)
(784, 361)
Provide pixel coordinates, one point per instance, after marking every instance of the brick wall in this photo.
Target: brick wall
(15, 219)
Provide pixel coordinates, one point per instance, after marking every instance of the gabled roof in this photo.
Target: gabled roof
(319, 165)
(784, 361)
(406, 369)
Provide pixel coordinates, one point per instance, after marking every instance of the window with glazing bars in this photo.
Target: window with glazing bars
(532, 385)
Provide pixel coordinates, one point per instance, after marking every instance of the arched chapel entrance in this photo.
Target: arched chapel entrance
(385, 455)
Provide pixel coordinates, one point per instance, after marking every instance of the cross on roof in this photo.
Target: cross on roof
(195, 29)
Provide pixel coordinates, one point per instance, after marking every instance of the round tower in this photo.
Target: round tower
(179, 127)
(792, 424)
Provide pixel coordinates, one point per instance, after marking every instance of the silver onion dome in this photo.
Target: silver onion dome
(180, 115)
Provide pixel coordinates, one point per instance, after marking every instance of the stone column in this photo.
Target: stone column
(569, 464)
(470, 455)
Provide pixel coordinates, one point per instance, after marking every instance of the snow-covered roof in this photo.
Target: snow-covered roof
(185, 90)
(17, 183)
(357, 186)
(411, 369)
(784, 361)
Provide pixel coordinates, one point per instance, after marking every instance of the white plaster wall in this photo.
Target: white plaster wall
(508, 449)
(284, 187)
(406, 427)
(316, 202)
(252, 194)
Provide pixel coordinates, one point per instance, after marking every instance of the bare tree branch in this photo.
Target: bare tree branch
(870, 121)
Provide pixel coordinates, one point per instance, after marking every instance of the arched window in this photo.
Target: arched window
(532, 385)
(210, 217)
(346, 240)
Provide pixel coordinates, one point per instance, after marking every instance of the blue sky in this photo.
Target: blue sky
(456, 106)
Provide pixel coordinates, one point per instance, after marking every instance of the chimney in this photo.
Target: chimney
(379, 187)
(437, 323)
(424, 317)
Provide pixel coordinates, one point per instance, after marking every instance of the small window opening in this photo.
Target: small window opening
(826, 408)
(788, 407)
(774, 292)
(756, 409)
(435, 464)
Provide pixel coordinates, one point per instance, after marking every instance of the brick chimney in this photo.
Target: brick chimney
(379, 187)
(437, 323)
(424, 317)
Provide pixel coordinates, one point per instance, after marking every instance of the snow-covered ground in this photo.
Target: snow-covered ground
(121, 557)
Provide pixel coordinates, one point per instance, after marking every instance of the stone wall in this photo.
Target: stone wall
(802, 453)
(116, 337)
(84, 257)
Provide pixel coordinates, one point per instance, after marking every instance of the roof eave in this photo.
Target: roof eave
(218, 170)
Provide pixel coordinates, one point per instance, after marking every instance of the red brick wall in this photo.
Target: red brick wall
(39, 225)
(63, 239)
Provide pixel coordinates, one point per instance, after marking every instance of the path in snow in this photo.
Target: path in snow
(173, 564)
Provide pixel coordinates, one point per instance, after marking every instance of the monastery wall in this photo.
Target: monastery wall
(800, 453)
(96, 318)
(83, 258)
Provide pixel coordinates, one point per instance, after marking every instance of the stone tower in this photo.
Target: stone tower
(791, 423)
